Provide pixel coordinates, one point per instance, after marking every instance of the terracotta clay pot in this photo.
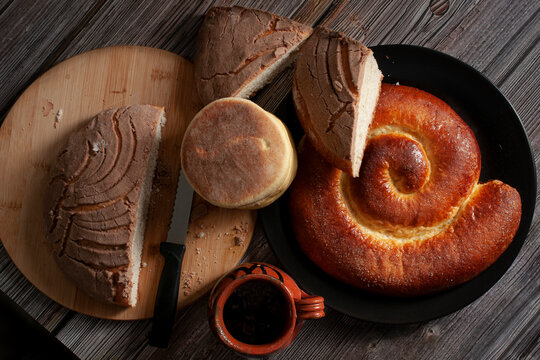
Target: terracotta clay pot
(300, 306)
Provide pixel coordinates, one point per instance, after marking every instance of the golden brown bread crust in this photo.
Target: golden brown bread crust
(415, 221)
(237, 155)
(91, 207)
(236, 44)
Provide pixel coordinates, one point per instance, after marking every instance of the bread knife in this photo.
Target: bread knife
(173, 252)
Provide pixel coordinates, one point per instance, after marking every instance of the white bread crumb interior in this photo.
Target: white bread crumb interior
(140, 226)
(268, 75)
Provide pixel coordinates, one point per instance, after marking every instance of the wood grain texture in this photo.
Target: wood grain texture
(29, 46)
(32, 135)
(499, 38)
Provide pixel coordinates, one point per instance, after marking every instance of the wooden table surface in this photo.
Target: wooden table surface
(500, 38)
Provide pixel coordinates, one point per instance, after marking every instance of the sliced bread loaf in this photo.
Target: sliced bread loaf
(98, 199)
(336, 85)
(240, 50)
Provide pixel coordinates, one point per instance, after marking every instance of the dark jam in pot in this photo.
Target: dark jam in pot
(256, 312)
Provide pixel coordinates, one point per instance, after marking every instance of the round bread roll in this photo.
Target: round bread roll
(237, 155)
(416, 220)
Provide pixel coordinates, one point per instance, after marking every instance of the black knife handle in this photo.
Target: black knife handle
(167, 294)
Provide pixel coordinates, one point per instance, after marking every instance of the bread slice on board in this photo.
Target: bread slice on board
(240, 50)
(336, 85)
(98, 197)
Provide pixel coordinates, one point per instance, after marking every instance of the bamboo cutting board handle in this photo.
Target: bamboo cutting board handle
(37, 126)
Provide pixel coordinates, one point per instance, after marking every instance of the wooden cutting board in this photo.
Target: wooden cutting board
(37, 126)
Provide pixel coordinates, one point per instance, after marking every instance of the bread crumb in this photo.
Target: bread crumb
(238, 241)
(200, 235)
(98, 146)
(240, 229)
(187, 280)
(144, 264)
(397, 83)
(198, 251)
(58, 117)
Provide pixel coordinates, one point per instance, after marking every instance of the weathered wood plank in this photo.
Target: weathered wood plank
(521, 88)
(4, 4)
(376, 23)
(477, 45)
(14, 284)
(33, 34)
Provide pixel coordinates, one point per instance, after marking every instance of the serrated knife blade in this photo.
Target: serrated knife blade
(172, 249)
(181, 211)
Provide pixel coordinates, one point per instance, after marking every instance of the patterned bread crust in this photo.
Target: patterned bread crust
(235, 45)
(93, 199)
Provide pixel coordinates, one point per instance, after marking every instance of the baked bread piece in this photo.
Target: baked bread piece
(240, 50)
(237, 155)
(336, 85)
(96, 206)
(416, 220)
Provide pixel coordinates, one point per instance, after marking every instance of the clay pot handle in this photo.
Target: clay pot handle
(309, 307)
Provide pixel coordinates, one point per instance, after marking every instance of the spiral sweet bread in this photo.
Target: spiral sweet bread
(416, 220)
